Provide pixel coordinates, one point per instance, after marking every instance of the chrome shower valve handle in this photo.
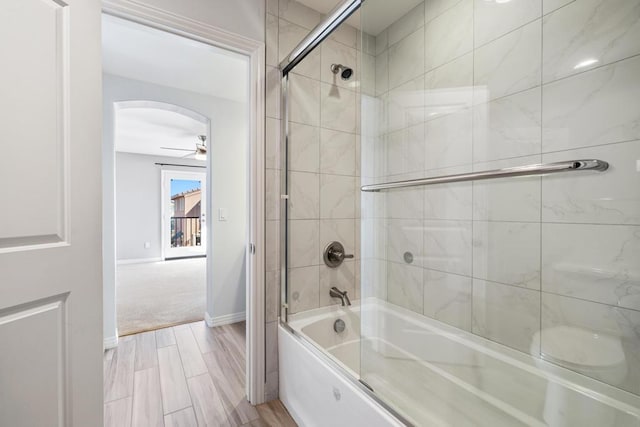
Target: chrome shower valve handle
(334, 254)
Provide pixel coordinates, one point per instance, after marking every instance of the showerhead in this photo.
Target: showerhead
(345, 72)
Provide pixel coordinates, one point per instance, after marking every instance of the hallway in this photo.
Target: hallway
(186, 375)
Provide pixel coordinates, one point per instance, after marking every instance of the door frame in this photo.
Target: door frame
(164, 175)
(255, 51)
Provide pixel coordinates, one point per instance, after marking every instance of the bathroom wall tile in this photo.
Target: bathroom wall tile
(373, 282)
(549, 6)
(342, 277)
(448, 246)
(406, 59)
(272, 245)
(611, 197)
(404, 235)
(288, 38)
(366, 43)
(449, 140)
(337, 194)
(495, 19)
(507, 252)
(449, 36)
(506, 314)
(405, 203)
(435, 8)
(596, 107)
(405, 106)
(382, 73)
(406, 25)
(272, 143)
(448, 201)
(337, 53)
(272, 196)
(449, 88)
(337, 152)
(304, 101)
(405, 150)
(358, 283)
(340, 230)
(507, 199)
(272, 386)
(346, 34)
(299, 14)
(304, 200)
(447, 298)
(382, 42)
(374, 238)
(596, 30)
(404, 286)
(616, 330)
(271, 350)
(508, 127)
(592, 262)
(272, 7)
(304, 243)
(272, 295)
(304, 288)
(338, 108)
(367, 66)
(272, 103)
(304, 148)
(272, 40)
(511, 63)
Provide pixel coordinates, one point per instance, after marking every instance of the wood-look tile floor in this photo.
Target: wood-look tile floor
(186, 375)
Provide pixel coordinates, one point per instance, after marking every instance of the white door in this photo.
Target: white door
(50, 214)
(184, 214)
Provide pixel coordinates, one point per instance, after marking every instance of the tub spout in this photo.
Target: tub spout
(337, 293)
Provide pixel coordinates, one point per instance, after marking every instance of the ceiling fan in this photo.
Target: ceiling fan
(200, 153)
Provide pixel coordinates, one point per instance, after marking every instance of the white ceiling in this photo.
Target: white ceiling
(145, 130)
(374, 15)
(138, 52)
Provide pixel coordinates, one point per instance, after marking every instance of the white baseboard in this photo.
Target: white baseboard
(138, 260)
(111, 342)
(225, 319)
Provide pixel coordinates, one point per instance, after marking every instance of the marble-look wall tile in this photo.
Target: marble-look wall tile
(449, 36)
(304, 148)
(347, 35)
(337, 152)
(374, 238)
(303, 101)
(272, 196)
(448, 246)
(340, 230)
(506, 314)
(593, 108)
(549, 6)
(507, 199)
(435, 8)
(382, 73)
(272, 296)
(304, 288)
(615, 331)
(366, 43)
(448, 201)
(507, 252)
(304, 196)
(271, 349)
(272, 41)
(382, 42)
(508, 127)
(449, 140)
(338, 108)
(404, 235)
(592, 262)
(272, 102)
(272, 243)
(406, 59)
(406, 25)
(588, 34)
(405, 203)
(405, 150)
(405, 105)
(511, 63)
(299, 14)
(289, 35)
(495, 19)
(337, 53)
(611, 197)
(447, 298)
(304, 243)
(337, 196)
(272, 7)
(449, 88)
(342, 277)
(373, 282)
(404, 286)
(367, 66)
(272, 143)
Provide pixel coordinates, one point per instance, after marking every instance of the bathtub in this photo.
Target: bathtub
(392, 367)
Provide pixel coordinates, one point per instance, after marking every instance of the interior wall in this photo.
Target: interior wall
(228, 163)
(138, 203)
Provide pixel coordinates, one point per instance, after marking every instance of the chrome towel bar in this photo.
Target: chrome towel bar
(528, 170)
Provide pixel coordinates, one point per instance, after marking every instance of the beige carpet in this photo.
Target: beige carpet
(158, 294)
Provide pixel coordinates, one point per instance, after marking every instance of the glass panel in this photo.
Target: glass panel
(511, 301)
(186, 211)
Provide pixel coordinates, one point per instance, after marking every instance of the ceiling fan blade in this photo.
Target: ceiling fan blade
(175, 149)
(186, 156)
